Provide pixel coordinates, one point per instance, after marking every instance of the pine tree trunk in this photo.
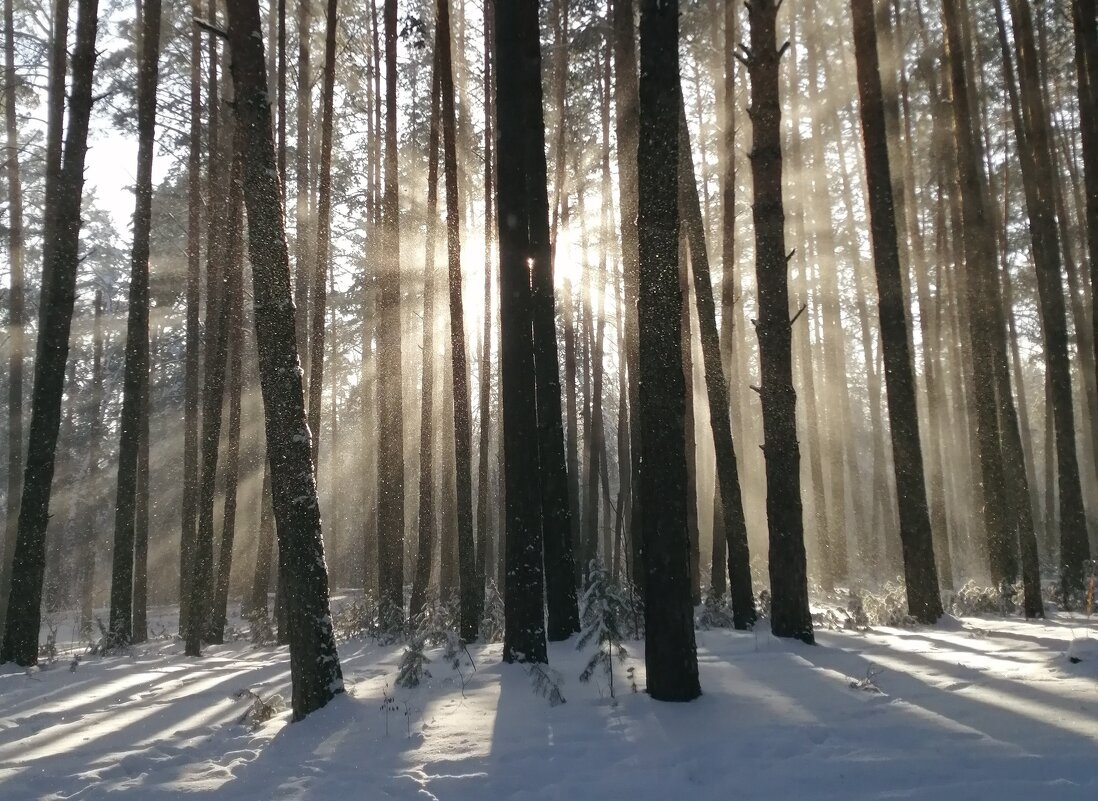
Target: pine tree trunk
(1085, 22)
(1037, 168)
(733, 525)
(626, 103)
(16, 312)
(314, 665)
(60, 263)
(54, 133)
(670, 655)
(87, 537)
(485, 537)
(189, 513)
(303, 244)
(426, 541)
(517, 46)
(234, 321)
(788, 570)
(135, 413)
(471, 596)
(323, 236)
(920, 571)
(390, 515)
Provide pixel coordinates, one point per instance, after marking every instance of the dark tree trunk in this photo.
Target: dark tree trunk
(60, 262)
(471, 596)
(261, 581)
(16, 257)
(1037, 169)
(518, 74)
(303, 247)
(390, 506)
(220, 280)
(920, 571)
(484, 532)
(234, 322)
(560, 586)
(626, 126)
(323, 236)
(189, 514)
(670, 654)
(788, 571)
(979, 259)
(135, 390)
(314, 665)
(733, 525)
(1085, 19)
(54, 133)
(87, 538)
(427, 525)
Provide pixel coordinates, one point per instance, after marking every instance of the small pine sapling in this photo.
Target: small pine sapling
(413, 663)
(605, 609)
(491, 624)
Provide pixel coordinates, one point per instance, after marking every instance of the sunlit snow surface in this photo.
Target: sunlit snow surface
(978, 708)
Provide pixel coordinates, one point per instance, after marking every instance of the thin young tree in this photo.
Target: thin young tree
(670, 653)
(471, 596)
(314, 664)
(323, 233)
(16, 259)
(425, 549)
(88, 536)
(390, 477)
(61, 258)
(924, 600)
(517, 66)
(733, 524)
(790, 616)
(55, 129)
(134, 426)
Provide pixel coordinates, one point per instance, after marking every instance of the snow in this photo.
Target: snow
(975, 708)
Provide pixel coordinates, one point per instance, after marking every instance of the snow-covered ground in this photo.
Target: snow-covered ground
(977, 708)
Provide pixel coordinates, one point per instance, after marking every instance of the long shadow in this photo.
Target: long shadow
(994, 721)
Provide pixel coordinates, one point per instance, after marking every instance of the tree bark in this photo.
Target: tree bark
(323, 235)
(314, 665)
(60, 263)
(670, 654)
(788, 569)
(135, 390)
(924, 601)
(390, 514)
(517, 75)
(733, 524)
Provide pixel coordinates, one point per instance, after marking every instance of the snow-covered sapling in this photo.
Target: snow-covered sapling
(413, 665)
(546, 682)
(605, 608)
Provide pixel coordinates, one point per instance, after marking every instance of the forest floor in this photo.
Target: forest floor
(974, 708)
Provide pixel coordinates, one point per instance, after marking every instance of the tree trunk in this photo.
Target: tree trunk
(16, 257)
(390, 382)
(1037, 168)
(323, 236)
(979, 266)
(626, 127)
(733, 525)
(670, 654)
(189, 512)
(924, 601)
(427, 524)
(87, 537)
(314, 665)
(303, 246)
(518, 75)
(60, 263)
(135, 391)
(788, 569)
(471, 597)
(54, 133)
